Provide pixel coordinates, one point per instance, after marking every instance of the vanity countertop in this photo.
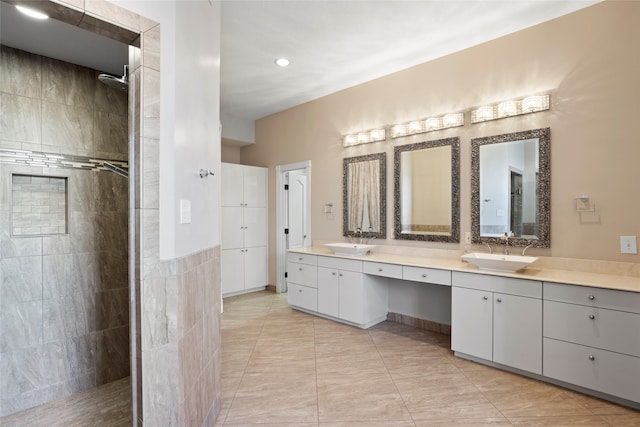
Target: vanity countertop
(620, 282)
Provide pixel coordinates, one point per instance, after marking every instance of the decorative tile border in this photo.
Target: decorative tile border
(62, 161)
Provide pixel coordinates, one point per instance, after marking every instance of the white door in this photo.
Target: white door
(255, 267)
(328, 291)
(232, 271)
(471, 322)
(232, 227)
(255, 190)
(296, 214)
(232, 183)
(255, 227)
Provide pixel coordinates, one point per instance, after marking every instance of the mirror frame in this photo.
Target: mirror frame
(454, 237)
(382, 159)
(544, 187)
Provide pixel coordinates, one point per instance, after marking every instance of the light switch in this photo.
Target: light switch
(628, 245)
(185, 211)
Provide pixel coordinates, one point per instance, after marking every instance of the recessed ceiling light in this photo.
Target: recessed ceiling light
(31, 12)
(282, 62)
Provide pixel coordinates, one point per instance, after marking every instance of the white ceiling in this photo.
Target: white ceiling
(332, 45)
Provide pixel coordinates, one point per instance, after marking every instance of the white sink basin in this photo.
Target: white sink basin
(351, 249)
(499, 262)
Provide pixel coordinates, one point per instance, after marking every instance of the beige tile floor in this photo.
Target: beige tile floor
(282, 367)
(285, 368)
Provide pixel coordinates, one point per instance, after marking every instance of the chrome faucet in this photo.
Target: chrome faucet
(489, 246)
(526, 247)
(359, 233)
(505, 237)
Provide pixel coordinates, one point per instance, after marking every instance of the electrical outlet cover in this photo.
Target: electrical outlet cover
(628, 245)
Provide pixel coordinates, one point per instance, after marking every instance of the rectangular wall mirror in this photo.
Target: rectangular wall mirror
(510, 188)
(426, 191)
(364, 189)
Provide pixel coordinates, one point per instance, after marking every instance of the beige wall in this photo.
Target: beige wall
(587, 59)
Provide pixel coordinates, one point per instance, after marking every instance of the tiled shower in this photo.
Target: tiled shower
(64, 303)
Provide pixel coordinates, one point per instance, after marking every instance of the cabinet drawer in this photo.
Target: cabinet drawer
(604, 371)
(594, 297)
(427, 275)
(382, 269)
(302, 258)
(340, 263)
(504, 285)
(302, 274)
(592, 326)
(302, 296)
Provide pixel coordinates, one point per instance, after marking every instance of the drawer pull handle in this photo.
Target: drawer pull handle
(499, 300)
(592, 297)
(592, 357)
(591, 316)
(424, 276)
(485, 298)
(380, 269)
(300, 259)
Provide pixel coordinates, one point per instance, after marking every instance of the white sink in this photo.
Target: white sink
(350, 249)
(499, 262)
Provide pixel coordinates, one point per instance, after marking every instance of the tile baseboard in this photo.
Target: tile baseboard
(419, 323)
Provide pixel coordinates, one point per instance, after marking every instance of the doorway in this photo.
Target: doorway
(515, 208)
(293, 214)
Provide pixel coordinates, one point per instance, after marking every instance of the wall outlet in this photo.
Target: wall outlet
(628, 245)
(467, 237)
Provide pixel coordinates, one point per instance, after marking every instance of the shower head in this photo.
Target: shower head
(121, 83)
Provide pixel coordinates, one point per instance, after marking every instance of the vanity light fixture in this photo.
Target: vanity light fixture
(367, 137)
(427, 125)
(530, 104)
(31, 12)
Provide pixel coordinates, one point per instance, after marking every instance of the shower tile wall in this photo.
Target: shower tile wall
(64, 303)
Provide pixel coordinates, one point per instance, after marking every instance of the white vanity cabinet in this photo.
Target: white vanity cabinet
(302, 281)
(346, 293)
(592, 338)
(336, 288)
(243, 228)
(498, 319)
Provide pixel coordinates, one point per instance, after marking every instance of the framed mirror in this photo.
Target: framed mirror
(511, 188)
(364, 189)
(426, 191)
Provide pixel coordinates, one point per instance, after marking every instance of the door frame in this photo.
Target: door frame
(281, 212)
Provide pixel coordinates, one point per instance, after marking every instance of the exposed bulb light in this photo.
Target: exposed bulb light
(282, 62)
(427, 125)
(530, 104)
(367, 137)
(31, 12)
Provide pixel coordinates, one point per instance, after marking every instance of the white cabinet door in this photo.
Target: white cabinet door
(255, 190)
(351, 297)
(255, 267)
(232, 228)
(471, 322)
(517, 332)
(232, 271)
(232, 186)
(255, 227)
(328, 292)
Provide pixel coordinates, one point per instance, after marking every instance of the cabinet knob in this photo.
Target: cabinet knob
(592, 357)
(499, 300)
(300, 259)
(299, 268)
(592, 297)
(380, 269)
(333, 274)
(485, 297)
(300, 290)
(340, 274)
(591, 316)
(424, 275)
